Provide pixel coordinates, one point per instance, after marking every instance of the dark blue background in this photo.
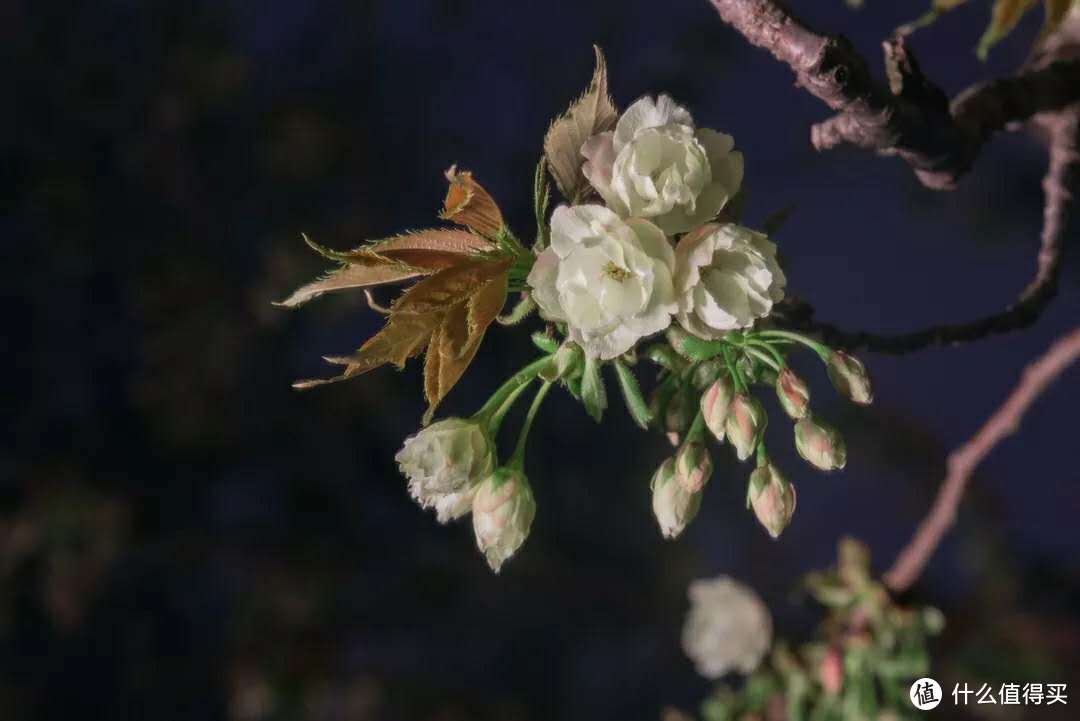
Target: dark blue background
(160, 161)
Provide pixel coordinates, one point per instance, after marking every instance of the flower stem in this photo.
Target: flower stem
(697, 428)
(517, 460)
(736, 377)
(496, 419)
(509, 389)
(763, 357)
(819, 348)
(777, 355)
(762, 456)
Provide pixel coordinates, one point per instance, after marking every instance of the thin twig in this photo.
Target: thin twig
(1062, 176)
(962, 462)
(911, 118)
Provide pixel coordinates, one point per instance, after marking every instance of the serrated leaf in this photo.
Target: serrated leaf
(594, 112)
(433, 249)
(541, 199)
(448, 287)
(635, 402)
(391, 260)
(468, 204)
(593, 394)
(349, 277)
(455, 343)
(400, 339)
(1003, 18)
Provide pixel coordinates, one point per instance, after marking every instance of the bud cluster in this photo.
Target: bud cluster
(720, 374)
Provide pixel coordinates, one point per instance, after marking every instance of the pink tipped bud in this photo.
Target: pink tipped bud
(820, 444)
(793, 394)
(831, 671)
(714, 405)
(693, 466)
(772, 498)
(848, 376)
(745, 424)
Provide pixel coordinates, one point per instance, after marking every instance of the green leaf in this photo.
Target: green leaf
(593, 394)
(635, 402)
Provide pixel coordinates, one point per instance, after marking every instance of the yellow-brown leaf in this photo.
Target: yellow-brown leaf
(468, 204)
(400, 339)
(455, 344)
(448, 287)
(348, 277)
(434, 247)
(594, 112)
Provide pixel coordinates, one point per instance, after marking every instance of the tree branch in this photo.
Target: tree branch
(1063, 174)
(912, 118)
(962, 462)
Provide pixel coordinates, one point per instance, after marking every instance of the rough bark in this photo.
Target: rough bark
(910, 117)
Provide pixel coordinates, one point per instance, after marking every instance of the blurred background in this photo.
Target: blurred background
(182, 536)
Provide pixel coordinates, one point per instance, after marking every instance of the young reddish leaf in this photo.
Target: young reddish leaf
(400, 339)
(455, 343)
(347, 277)
(468, 204)
(448, 287)
(594, 112)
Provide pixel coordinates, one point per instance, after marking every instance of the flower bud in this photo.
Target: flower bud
(714, 405)
(772, 498)
(673, 506)
(793, 394)
(848, 376)
(745, 424)
(503, 511)
(444, 462)
(820, 444)
(678, 415)
(693, 466)
(831, 671)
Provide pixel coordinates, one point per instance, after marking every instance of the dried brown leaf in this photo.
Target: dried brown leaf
(594, 112)
(468, 204)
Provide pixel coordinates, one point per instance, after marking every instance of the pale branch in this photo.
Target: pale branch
(1062, 176)
(962, 462)
(912, 117)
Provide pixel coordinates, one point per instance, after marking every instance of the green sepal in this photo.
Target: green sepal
(635, 402)
(545, 342)
(593, 394)
(665, 356)
(519, 312)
